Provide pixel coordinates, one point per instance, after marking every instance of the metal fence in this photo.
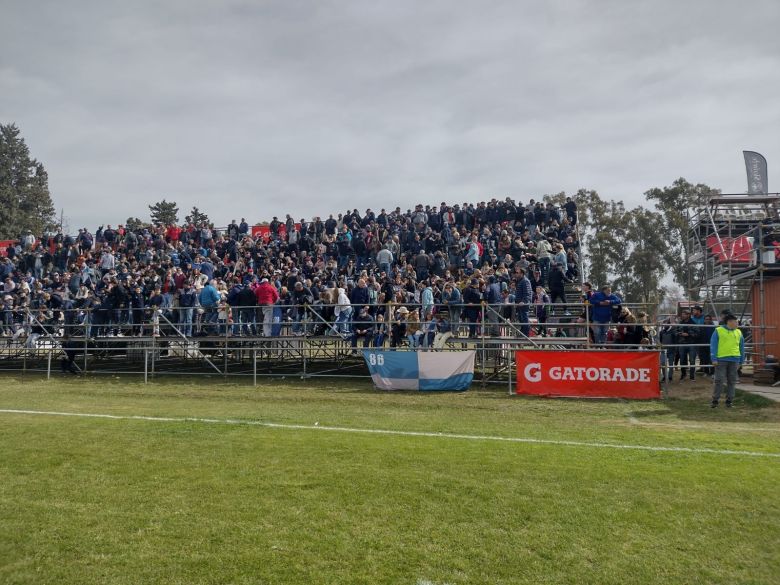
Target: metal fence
(308, 341)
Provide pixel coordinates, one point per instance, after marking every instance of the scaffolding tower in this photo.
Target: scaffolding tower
(732, 248)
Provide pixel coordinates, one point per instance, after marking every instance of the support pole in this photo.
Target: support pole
(304, 347)
(48, 367)
(587, 324)
(509, 369)
(254, 365)
(225, 352)
(482, 335)
(146, 366)
(86, 344)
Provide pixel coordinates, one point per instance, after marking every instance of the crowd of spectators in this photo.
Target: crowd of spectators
(393, 276)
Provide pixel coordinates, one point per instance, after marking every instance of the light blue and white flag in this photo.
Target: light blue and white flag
(424, 370)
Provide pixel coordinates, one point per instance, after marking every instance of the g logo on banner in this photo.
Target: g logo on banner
(533, 372)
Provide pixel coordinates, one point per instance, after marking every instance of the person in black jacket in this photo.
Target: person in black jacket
(667, 336)
(302, 298)
(687, 339)
(137, 305)
(362, 326)
(69, 349)
(246, 302)
(398, 327)
(705, 334)
(120, 300)
(558, 280)
(187, 300)
(472, 301)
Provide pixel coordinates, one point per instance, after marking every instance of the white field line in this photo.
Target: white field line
(318, 427)
(715, 428)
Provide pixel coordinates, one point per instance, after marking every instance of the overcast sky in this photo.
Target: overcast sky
(257, 108)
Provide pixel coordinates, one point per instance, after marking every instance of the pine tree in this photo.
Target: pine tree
(197, 217)
(134, 223)
(164, 213)
(25, 201)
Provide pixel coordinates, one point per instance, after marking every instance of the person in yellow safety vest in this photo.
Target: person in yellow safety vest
(727, 350)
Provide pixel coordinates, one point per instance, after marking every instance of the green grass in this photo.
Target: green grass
(130, 501)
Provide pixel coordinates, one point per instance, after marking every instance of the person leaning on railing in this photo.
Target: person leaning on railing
(602, 302)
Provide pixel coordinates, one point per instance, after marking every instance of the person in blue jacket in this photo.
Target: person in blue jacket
(209, 300)
(727, 350)
(602, 303)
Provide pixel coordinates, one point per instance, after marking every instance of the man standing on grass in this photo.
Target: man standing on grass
(727, 350)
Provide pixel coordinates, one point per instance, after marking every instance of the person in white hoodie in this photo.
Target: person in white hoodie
(343, 312)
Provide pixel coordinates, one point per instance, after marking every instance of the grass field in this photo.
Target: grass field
(227, 500)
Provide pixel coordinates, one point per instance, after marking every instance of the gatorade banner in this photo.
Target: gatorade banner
(589, 374)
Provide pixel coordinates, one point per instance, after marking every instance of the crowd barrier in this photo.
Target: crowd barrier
(316, 345)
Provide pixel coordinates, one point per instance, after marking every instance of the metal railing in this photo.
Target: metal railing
(305, 353)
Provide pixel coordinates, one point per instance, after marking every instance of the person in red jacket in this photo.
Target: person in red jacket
(173, 233)
(266, 295)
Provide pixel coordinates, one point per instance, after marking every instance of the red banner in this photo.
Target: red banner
(4, 245)
(725, 249)
(265, 231)
(590, 374)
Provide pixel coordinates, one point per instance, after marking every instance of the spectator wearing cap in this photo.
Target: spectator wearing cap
(398, 327)
(727, 353)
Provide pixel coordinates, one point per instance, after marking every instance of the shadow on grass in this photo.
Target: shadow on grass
(694, 405)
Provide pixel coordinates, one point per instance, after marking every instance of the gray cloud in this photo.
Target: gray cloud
(258, 109)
